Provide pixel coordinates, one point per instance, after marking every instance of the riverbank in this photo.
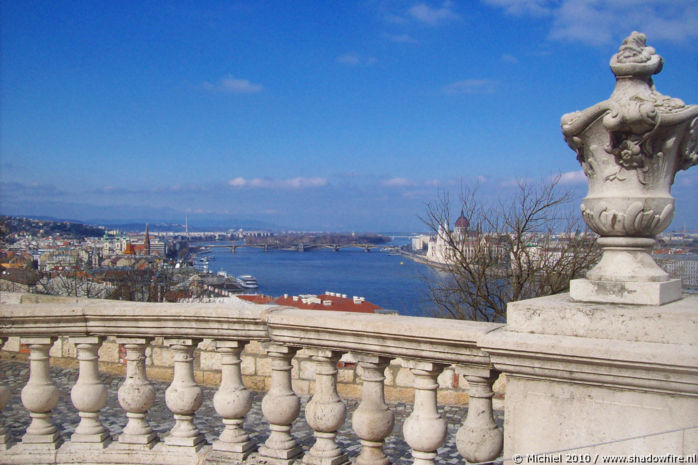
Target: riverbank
(419, 258)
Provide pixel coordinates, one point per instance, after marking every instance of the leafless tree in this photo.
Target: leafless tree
(74, 281)
(528, 245)
(132, 284)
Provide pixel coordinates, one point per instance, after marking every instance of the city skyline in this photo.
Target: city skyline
(315, 116)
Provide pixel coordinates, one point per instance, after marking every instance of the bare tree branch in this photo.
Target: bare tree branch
(525, 246)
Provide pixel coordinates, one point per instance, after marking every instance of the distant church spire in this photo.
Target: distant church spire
(146, 241)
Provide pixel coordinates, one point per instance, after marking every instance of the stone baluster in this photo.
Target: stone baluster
(424, 429)
(4, 397)
(280, 407)
(40, 395)
(89, 395)
(184, 396)
(479, 439)
(325, 413)
(372, 420)
(136, 395)
(232, 401)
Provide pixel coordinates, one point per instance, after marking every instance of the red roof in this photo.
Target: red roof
(339, 304)
(129, 249)
(256, 298)
(334, 303)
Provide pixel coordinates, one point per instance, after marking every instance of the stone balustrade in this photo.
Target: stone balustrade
(425, 346)
(255, 365)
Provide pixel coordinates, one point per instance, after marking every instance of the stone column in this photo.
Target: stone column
(89, 395)
(184, 396)
(325, 413)
(479, 439)
(372, 420)
(4, 397)
(232, 401)
(424, 429)
(40, 395)
(136, 395)
(280, 407)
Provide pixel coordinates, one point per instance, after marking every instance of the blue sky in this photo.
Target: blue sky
(335, 115)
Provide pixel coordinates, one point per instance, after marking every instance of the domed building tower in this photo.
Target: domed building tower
(462, 226)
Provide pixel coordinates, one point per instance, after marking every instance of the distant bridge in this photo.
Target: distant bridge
(300, 247)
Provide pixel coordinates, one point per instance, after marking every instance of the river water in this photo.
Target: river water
(391, 281)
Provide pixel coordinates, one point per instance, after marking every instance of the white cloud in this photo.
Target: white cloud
(354, 59)
(231, 85)
(432, 16)
(572, 177)
(397, 182)
(576, 20)
(269, 183)
(583, 22)
(597, 22)
(402, 39)
(519, 7)
(470, 86)
(305, 182)
(237, 182)
(676, 28)
(509, 58)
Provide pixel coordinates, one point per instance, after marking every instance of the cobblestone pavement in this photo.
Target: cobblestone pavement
(16, 419)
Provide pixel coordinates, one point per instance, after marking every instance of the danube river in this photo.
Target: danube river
(391, 281)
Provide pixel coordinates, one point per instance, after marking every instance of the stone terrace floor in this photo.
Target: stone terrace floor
(16, 419)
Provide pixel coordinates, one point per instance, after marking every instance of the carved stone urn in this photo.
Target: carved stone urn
(630, 147)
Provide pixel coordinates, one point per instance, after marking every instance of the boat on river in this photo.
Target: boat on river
(247, 281)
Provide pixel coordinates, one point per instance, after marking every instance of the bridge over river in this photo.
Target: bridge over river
(301, 247)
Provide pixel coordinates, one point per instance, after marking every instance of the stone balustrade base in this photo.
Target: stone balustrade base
(114, 453)
(146, 442)
(312, 460)
(637, 293)
(85, 447)
(190, 443)
(225, 457)
(91, 439)
(279, 457)
(217, 457)
(47, 441)
(238, 449)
